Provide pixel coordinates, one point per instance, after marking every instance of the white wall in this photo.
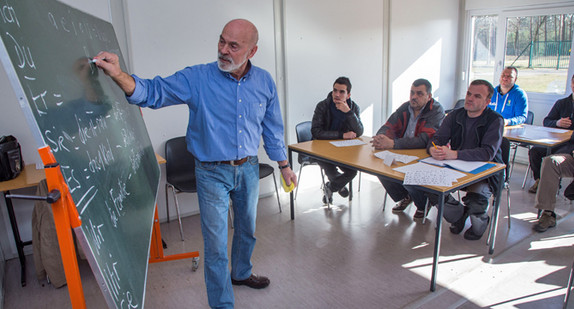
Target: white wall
(328, 39)
(424, 44)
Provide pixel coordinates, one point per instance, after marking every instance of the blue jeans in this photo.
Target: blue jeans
(216, 184)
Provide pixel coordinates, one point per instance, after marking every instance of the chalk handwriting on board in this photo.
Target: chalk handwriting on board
(99, 140)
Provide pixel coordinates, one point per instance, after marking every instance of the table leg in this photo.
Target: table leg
(496, 213)
(292, 205)
(19, 243)
(437, 241)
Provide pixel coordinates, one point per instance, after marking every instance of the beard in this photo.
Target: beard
(222, 63)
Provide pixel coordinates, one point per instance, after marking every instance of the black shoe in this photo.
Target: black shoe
(458, 226)
(470, 235)
(421, 214)
(402, 205)
(254, 282)
(344, 192)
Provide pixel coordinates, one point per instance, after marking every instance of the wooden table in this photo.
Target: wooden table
(29, 177)
(537, 136)
(362, 159)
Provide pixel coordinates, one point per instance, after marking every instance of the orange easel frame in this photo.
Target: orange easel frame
(66, 218)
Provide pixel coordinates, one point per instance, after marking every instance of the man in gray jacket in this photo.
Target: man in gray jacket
(409, 127)
(337, 117)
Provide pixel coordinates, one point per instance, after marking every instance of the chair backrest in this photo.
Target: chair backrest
(505, 149)
(180, 165)
(303, 130)
(529, 118)
(458, 104)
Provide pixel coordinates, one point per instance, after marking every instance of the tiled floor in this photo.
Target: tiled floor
(355, 255)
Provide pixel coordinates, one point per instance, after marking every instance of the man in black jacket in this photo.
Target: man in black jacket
(554, 167)
(560, 116)
(472, 133)
(337, 117)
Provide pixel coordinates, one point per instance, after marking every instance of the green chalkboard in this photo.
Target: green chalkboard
(99, 140)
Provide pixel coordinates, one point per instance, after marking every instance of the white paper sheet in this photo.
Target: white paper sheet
(426, 174)
(432, 178)
(390, 157)
(465, 166)
(348, 142)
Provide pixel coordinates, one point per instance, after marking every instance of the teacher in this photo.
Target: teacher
(232, 104)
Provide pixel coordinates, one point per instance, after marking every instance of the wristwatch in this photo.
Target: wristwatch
(284, 166)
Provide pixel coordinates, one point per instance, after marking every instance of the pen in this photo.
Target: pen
(434, 146)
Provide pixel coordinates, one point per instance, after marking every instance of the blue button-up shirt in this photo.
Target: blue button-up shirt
(227, 117)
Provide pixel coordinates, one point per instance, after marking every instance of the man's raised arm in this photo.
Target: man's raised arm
(110, 64)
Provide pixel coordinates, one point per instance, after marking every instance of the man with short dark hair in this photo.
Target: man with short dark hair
(337, 117)
(509, 100)
(472, 133)
(410, 126)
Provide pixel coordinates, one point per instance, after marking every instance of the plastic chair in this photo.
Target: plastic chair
(303, 131)
(266, 170)
(514, 146)
(180, 173)
(457, 105)
(505, 149)
(569, 287)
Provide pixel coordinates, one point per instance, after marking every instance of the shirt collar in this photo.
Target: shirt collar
(412, 112)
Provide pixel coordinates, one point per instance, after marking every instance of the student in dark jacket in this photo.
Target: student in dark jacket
(411, 126)
(560, 116)
(337, 117)
(472, 133)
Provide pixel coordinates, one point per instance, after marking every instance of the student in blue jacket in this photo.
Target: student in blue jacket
(509, 99)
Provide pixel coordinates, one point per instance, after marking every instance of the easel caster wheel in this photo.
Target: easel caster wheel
(195, 263)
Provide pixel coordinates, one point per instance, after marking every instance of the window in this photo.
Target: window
(483, 47)
(537, 42)
(540, 47)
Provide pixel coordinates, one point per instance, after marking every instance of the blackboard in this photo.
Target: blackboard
(99, 140)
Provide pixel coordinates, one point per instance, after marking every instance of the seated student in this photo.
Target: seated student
(410, 126)
(337, 117)
(472, 133)
(554, 167)
(560, 116)
(508, 99)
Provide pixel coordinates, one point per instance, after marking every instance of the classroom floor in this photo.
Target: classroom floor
(355, 255)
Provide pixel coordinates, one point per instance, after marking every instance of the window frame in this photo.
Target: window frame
(502, 15)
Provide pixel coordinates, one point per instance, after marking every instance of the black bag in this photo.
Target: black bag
(11, 163)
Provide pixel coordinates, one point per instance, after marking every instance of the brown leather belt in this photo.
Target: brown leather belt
(235, 162)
